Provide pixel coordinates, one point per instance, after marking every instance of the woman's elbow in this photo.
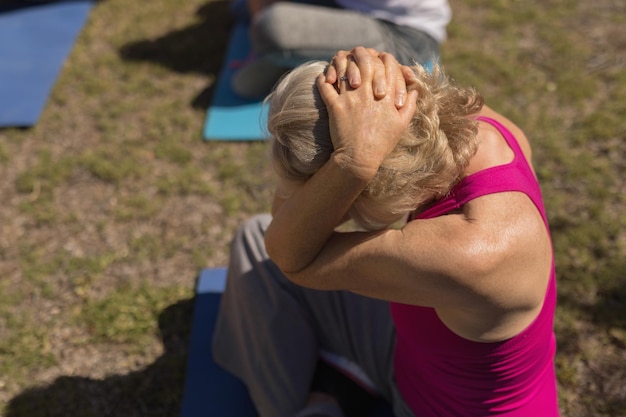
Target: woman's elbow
(290, 266)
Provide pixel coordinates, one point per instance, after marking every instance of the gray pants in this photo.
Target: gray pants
(289, 34)
(269, 331)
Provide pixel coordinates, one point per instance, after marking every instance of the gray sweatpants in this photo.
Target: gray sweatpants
(289, 33)
(269, 331)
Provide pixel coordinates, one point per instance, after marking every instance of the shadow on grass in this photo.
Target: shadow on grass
(607, 316)
(610, 310)
(156, 390)
(197, 48)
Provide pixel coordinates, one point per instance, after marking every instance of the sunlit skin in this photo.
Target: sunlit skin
(484, 268)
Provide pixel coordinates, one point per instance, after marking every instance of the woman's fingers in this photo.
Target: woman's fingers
(371, 70)
(407, 111)
(343, 68)
(328, 92)
(379, 71)
(395, 77)
(353, 74)
(330, 76)
(356, 65)
(409, 75)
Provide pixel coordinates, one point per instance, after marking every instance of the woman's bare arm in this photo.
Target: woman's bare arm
(481, 260)
(364, 131)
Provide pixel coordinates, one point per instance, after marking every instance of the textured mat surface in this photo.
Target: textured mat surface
(35, 40)
(209, 390)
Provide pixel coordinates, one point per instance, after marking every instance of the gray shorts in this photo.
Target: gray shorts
(270, 332)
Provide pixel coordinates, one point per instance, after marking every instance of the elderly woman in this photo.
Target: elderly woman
(449, 313)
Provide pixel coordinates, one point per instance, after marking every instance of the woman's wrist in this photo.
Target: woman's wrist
(363, 169)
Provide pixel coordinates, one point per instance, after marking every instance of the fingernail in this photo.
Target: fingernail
(400, 99)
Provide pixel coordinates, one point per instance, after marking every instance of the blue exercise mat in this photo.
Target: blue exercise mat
(209, 390)
(35, 40)
(230, 117)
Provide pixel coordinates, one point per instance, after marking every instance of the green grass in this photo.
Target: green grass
(113, 202)
(573, 112)
(128, 315)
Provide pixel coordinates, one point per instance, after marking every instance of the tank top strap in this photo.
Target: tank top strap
(513, 176)
(506, 134)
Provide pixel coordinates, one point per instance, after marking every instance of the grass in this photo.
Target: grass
(127, 315)
(576, 124)
(112, 202)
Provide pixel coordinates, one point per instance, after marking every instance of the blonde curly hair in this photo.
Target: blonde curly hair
(428, 160)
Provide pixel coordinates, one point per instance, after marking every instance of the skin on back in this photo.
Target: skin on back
(519, 272)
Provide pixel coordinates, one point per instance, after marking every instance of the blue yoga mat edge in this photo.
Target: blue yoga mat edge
(42, 36)
(230, 117)
(210, 390)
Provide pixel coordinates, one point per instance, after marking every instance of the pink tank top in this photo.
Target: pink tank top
(441, 374)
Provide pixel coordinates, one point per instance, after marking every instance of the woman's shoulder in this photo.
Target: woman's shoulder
(512, 127)
(493, 149)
